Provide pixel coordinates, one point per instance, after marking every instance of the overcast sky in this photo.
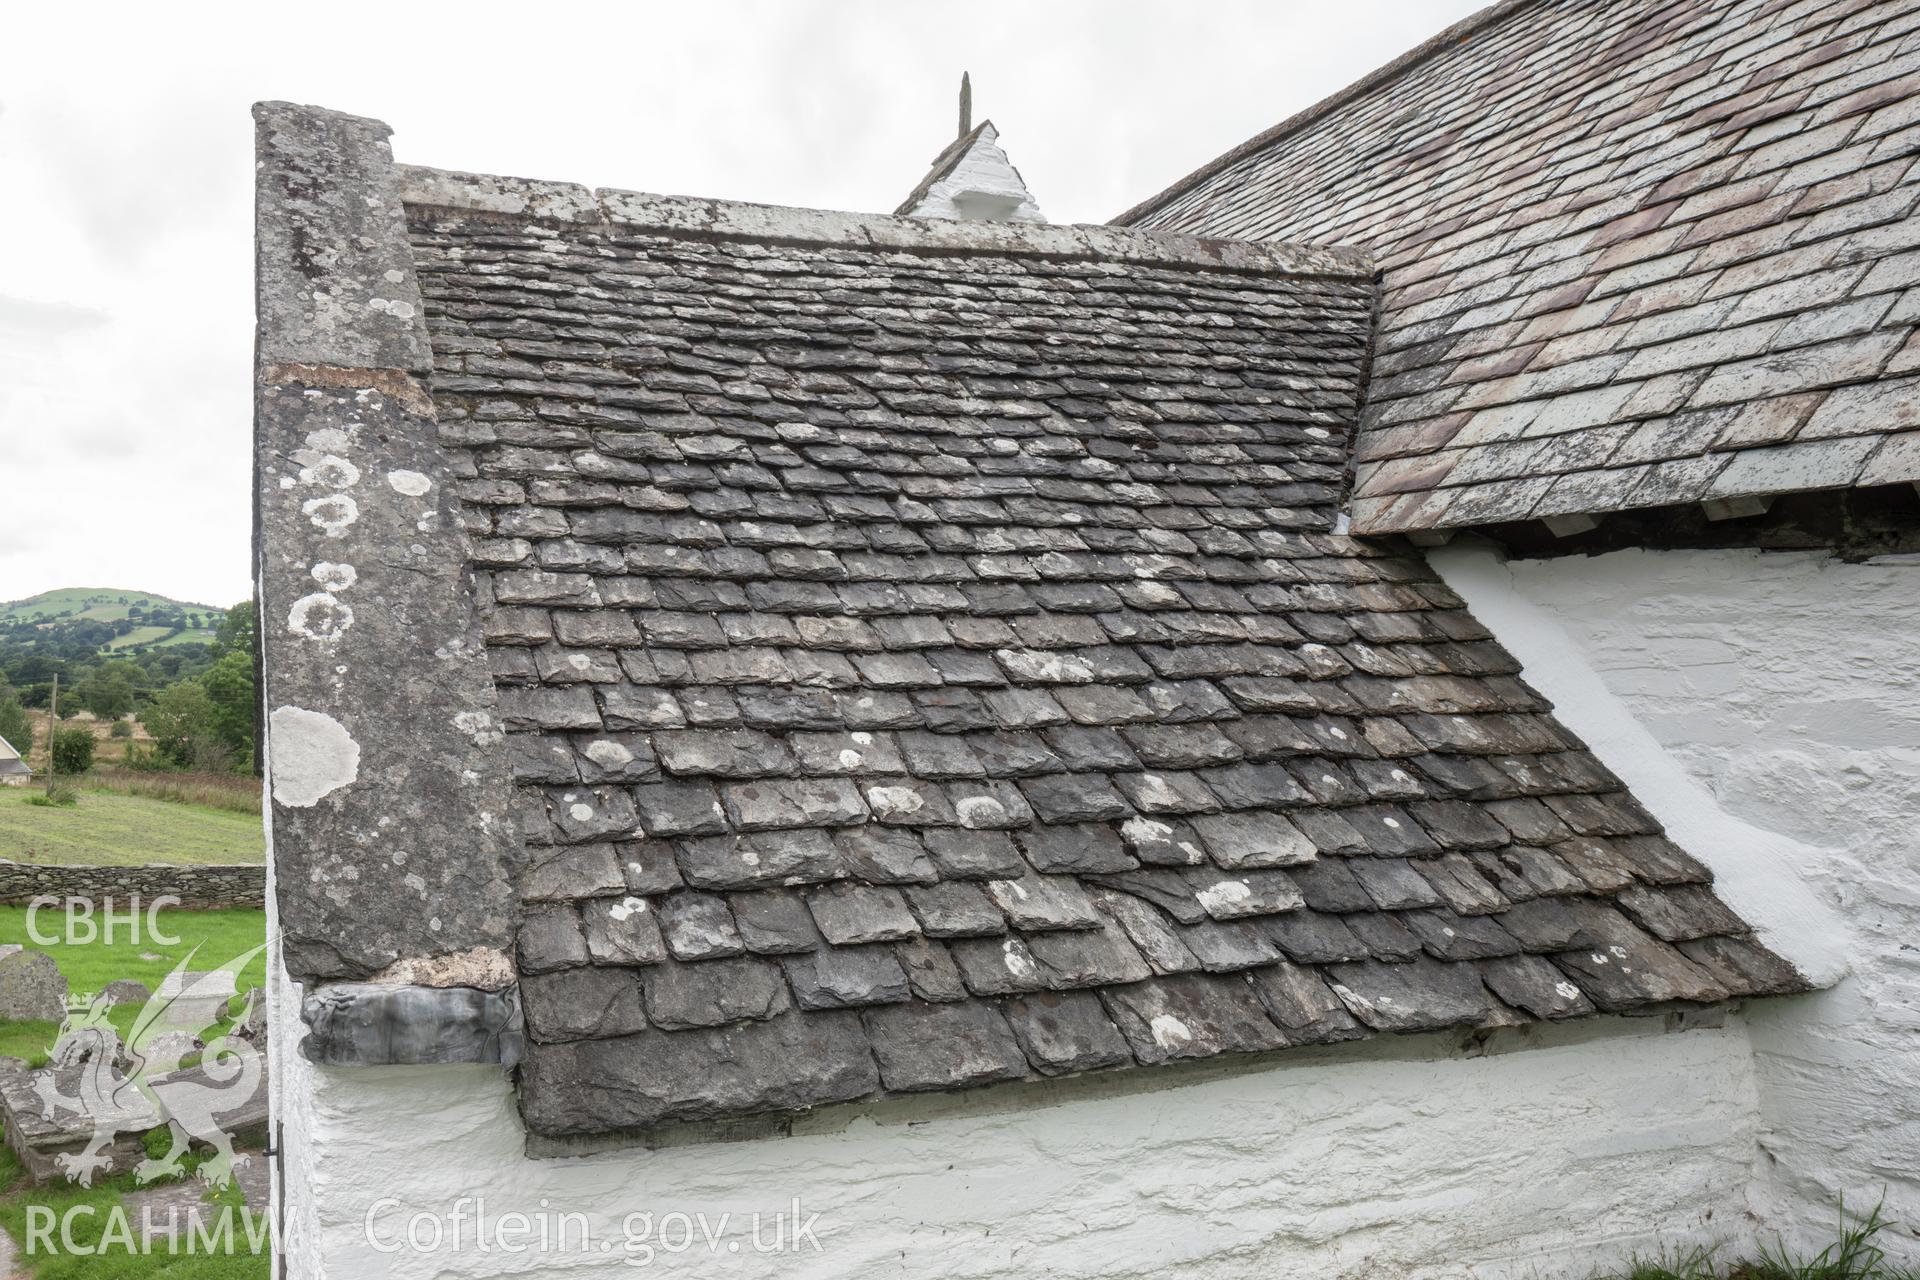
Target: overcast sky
(126, 151)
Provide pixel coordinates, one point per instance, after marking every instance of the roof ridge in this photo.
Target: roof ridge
(1414, 57)
(740, 220)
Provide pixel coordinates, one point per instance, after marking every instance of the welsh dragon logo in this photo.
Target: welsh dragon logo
(143, 1084)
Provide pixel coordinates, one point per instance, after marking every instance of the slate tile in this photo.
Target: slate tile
(550, 939)
(1075, 798)
(1327, 884)
(1224, 948)
(1629, 970)
(1315, 937)
(1245, 840)
(583, 1004)
(728, 753)
(698, 926)
(1255, 786)
(1086, 957)
(774, 922)
(992, 806)
(905, 802)
(591, 813)
(762, 858)
(572, 871)
(1075, 848)
(974, 855)
(679, 809)
(648, 867)
(1065, 1032)
(1088, 750)
(1036, 902)
(846, 977)
(1744, 967)
(1166, 842)
(803, 802)
(712, 992)
(885, 855)
(1191, 1016)
(1299, 999)
(856, 752)
(997, 966)
(1385, 936)
(848, 914)
(1234, 895)
(931, 971)
(616, 757)
(955, 909)
(1448, 936)
(921, 1046)
(785, 1063)
(1532, 984)
(1166, 793)
(622, 931)
(1393, 883)
(1424, 995)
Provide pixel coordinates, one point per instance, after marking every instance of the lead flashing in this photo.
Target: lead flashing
(371, 1025)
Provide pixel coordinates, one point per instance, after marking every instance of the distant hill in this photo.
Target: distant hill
(125, 620)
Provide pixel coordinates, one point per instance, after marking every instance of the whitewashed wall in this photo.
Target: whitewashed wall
(1787, 686)
(1412, 1162)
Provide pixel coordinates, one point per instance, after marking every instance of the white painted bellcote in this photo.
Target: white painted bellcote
(972, 178)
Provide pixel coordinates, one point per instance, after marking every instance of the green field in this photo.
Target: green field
(161, 637)
(101, 604)
(104, 604)
(220, 936)
(115, 830)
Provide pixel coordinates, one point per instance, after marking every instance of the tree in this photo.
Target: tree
(237, 630)
(14, 725)
(181, 720)
(72, 750)
(229, 686)
(109, 692)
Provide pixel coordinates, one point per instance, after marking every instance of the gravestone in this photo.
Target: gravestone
(125, 991)
(32, 988)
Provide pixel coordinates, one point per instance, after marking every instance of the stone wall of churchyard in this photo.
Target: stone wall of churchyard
(204, 886)
(1784, 689)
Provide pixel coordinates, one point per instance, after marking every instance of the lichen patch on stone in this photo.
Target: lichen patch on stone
(312, 756)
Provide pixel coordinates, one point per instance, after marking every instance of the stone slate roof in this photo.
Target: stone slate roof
(1635, 253)
(924, 663)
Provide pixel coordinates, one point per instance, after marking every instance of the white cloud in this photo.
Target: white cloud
(126, 238)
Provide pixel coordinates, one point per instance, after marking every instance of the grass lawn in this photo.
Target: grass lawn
(117, 830)
(90, 1230)
(220, 935)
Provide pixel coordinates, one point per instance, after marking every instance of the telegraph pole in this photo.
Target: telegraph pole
(53, 723)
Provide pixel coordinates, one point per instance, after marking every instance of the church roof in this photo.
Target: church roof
(827, 657)
(1633, 254)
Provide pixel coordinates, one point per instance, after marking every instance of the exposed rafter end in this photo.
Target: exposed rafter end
(1567, 526)
(1737, 508)
(1430, 537)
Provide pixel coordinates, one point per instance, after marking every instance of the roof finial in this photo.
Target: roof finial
(966, 104)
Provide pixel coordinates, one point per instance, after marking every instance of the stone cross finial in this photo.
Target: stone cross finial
(966, 104)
